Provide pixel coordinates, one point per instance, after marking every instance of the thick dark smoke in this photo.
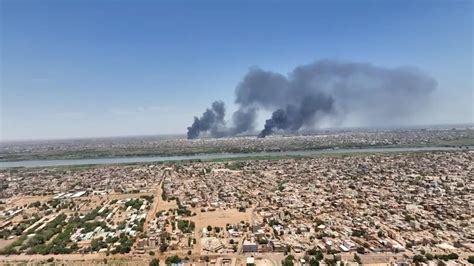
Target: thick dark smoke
(211, 120)
(243, 120)
(324, 90)
(294, 117)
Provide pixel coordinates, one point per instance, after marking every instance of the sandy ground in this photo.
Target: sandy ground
(99, 198)
(25, 200)
(166, 205)
(77, 259)
(219, 217)
(263, 262)
(157, 202)
(373, 258)
(4, 243)
(216, 218)
(98, 259)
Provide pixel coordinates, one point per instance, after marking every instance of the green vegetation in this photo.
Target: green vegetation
(140, 225)
(154, 262)
(186, 226)
(470, 259)
(183, 211)
(55, 236)
(97, 244)
(135, 203)
(125, 244)
(446, 257)
(12, 248)
(359, 233)
(149, 198)
(173, 259)
(360, 250)
(37, 243)
(19, 228)
(357, 258)
(288, 261)
(316, 253)
(417, 259)
(462, 138)
(90, 226)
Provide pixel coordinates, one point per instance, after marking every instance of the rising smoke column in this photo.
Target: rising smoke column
(326, 89)
(292, 118)
(211, 120)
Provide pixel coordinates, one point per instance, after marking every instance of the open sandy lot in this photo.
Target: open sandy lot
(220, 217)
(25, 200)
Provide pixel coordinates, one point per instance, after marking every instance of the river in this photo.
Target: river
(211, 156)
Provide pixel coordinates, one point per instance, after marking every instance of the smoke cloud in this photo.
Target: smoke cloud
(211, 120)
(326, 89)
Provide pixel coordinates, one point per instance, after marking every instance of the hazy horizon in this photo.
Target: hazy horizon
(255, 133)
(109, 69)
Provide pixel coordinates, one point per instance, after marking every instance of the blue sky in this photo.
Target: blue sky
(112, 68)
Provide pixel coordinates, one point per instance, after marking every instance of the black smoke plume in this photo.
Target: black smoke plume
(323, 90)
(211, 120)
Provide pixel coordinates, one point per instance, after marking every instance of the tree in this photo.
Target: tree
(470, 259)
(318, 255)
(357, 258)
(313, 262)
(359, 233)
(329, 261)
(288, 261)
(173, 260)
(446, 257)
(154, 262)
(360, 250)
(453, 256)
(418, 259)
(163, 247)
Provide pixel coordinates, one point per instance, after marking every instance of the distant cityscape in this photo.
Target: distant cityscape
(389, 208)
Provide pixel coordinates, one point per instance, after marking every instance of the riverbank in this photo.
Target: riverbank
(217, 156)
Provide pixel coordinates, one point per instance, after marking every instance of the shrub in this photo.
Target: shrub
(154, 262)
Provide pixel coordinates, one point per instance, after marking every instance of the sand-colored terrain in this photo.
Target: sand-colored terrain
(4, 243)
(18, 201)
(219, 217)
